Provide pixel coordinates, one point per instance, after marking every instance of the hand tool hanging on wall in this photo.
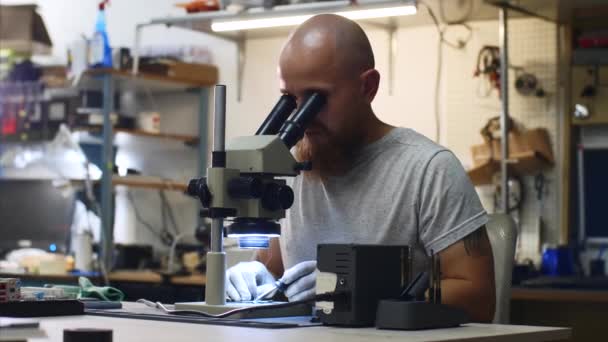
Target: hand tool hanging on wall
(488, 67)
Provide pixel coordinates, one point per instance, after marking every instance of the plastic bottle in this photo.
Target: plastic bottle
(101, 53)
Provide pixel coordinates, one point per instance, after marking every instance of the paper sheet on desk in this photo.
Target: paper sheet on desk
(140, 311)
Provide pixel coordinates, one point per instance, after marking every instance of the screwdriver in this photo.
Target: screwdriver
(279, 286)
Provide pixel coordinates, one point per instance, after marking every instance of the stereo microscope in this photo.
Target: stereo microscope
(245, 186)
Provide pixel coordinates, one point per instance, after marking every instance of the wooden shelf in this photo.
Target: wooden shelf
(559, 295)
(135, 276)
(155, 277)
(187, 139)
(148, 182)
(600, 119)
(142, 82)
(525, 163)
(123, 276)
(145, 182)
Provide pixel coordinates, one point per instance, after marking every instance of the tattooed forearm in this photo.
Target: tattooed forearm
(477, 242)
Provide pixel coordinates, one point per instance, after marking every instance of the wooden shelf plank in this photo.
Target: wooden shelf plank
(188, 139)
(598, 119)
(559, 295)
(125, 80)
(528, 162)
(135, 276)
(157, 278)
(150, 183)
(127, 276)
(180, 137)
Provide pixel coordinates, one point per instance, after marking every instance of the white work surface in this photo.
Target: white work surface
(150, 331)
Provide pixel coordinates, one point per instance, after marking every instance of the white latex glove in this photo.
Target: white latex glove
(301, 281)
(246, 279)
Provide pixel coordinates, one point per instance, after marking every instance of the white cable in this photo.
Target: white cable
(172, 250)
(441, 40)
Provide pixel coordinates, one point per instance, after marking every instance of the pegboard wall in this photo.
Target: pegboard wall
(468, 105)
(533, 46)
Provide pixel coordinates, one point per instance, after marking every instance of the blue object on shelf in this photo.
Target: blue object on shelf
(558, 261)
(101, 53)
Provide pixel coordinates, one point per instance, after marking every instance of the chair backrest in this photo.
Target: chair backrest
(502, 233)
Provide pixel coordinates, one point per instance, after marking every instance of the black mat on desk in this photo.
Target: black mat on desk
(41, 308)
(265, 323)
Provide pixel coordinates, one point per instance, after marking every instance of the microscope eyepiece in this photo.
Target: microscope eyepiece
(293, 130)
(277, 116)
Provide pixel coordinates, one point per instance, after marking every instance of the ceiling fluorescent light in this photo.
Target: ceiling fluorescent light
(249, 24)
(378, 12)
(371, 13)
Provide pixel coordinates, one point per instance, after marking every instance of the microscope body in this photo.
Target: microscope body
(252, 163)
(243, 185)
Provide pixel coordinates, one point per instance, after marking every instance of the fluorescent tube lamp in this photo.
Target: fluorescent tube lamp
(355, 14)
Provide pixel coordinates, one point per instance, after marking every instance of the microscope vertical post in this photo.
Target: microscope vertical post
(215, 293)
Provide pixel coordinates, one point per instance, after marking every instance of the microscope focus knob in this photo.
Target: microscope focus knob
(245, 187)
(277, 197)
(198, 188)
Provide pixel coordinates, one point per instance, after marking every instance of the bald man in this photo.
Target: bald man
(371, 183)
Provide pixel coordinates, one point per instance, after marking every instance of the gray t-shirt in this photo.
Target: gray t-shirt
(402, 190)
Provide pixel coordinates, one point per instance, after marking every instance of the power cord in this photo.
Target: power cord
(167, 210)
(96, 206)
(164, 236)
(178, 237)
(330, 296)
(442, 40)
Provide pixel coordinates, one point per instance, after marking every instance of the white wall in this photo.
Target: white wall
(463, 112)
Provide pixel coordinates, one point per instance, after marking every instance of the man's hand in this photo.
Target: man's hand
(301, 281)
(246, 280)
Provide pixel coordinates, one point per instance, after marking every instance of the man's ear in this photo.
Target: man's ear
(370, 81)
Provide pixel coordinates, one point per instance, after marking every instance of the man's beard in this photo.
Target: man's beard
(330, 157)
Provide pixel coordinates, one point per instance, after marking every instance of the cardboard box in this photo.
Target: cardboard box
(492, 151)
(529, 153)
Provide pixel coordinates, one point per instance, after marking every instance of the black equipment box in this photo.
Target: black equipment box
(366, 273)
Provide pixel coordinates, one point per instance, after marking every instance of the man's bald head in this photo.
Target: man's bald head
(330, 39)
(331, 55)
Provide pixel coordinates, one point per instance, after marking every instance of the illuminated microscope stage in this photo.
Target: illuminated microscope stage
(297, 310)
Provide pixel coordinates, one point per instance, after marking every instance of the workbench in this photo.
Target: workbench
(583, 310)
(150, 331)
